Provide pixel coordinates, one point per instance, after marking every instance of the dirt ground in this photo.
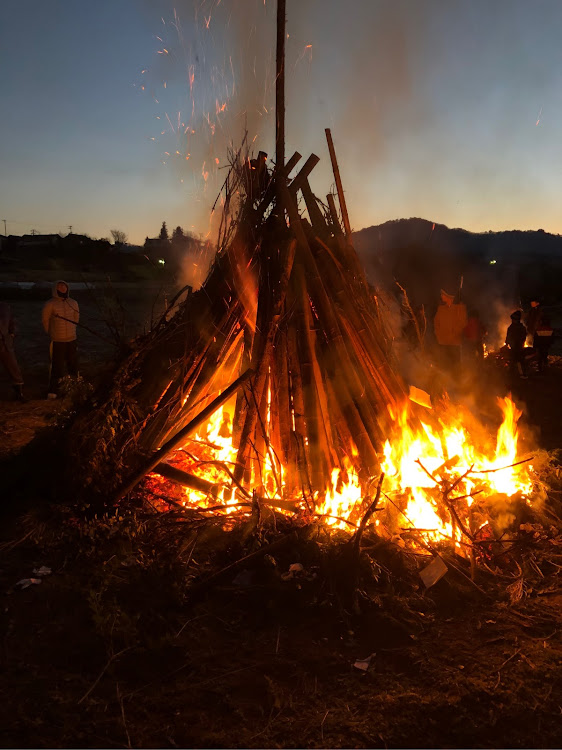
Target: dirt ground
(111, 650)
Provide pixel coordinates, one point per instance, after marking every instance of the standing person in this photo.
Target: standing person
(7, 354)
(533, 317)
(60, 316)
(542, 341)
(473, 336)
(448, 324)
(515, 340)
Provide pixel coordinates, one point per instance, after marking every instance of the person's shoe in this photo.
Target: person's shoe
(18, 390)
(52, 395)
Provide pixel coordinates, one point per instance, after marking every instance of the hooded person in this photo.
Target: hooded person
(60, 316)
(7, 354)
(449, 324)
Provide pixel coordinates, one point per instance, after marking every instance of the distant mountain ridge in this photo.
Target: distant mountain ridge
(425, 257)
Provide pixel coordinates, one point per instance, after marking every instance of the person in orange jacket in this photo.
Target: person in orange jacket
(60, 316)
(449, 324)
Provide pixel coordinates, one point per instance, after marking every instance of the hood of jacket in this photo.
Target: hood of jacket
(54, 290)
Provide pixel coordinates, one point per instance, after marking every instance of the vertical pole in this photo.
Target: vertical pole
(339, 187)
(5, 232)
(280, 97)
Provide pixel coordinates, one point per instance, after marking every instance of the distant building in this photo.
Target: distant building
(39, 241)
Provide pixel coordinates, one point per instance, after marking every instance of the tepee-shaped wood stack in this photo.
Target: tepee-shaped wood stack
(287, 309)
(286, 297)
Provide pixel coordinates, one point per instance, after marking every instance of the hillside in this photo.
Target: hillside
(512, 266)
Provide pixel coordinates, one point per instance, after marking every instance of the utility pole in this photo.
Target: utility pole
(280, 97)
(5, 231)
(70, 229)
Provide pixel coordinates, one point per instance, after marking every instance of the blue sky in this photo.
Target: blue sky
(433, 107)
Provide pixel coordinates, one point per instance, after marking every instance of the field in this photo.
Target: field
(110, 651)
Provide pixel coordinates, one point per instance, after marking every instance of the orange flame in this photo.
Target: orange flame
(422, 462)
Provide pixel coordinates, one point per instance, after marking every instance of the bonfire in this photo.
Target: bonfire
(275, 385)
(274, 389)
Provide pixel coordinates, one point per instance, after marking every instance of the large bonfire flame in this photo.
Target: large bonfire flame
(446, 478)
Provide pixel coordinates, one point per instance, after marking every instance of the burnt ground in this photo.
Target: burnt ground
(110, 649)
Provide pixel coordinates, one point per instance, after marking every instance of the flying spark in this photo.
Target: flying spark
(539, 117)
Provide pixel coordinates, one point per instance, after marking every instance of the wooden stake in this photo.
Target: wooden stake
(339, 186)
(280, 96)
(261, 354)
(168, 447)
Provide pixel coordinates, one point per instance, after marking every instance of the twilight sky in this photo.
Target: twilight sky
(448, 110)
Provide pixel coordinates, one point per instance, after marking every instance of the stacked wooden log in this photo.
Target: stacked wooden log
(286, 297)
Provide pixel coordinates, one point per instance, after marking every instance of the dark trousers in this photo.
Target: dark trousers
(517, 362)
(450, 358)
(8, 359)
(64, 361)
(474, 350)
(542, 357)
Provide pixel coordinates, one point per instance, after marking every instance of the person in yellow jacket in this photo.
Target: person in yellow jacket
(448, 324)
(60, 316)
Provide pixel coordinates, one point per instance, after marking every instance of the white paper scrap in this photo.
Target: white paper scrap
(433, 572)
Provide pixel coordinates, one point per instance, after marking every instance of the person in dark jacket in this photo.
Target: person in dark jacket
(7, 353)
(542, 341)
(515, 340)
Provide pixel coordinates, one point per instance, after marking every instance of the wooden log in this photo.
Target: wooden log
(302, 177)
(316, 216)
(341, 367)
(269, 195)
(339, 186)
(207, 349)
(185, 479)
(240, 408)
(344, 444)
(260, 439)
(302, 325)
(261, 355)
(334, 215)
(275, 444)
(280, 90)
(288, 444)
(281, 389)
(298, 407)
(384, 380)
(348, 384)
(208, 377)
(174, 442)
